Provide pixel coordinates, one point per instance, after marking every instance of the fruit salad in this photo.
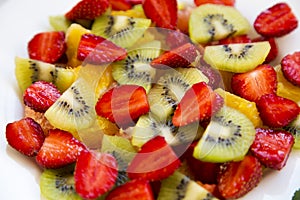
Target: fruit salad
(158, 99)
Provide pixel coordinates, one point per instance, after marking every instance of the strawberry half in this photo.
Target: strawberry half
(134, 190)
(274, 49)
(123, 104)
(276, 21)
(255, 83)
(272, 147)
(235, 40)
(40, 95)
(222, 2)
(238, 178)
(47, 46)
(25, 135)
(98, 50)
(155, 161)
(276, 111)
(290, 66)
(120, 4)
(88, 9)
(95, 174)
(162, 12)
(59, 149)
(197, 104)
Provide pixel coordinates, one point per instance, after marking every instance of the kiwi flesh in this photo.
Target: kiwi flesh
(211, 22)
(59, 22)
(227, 137)
(237, 58)
(294, 129)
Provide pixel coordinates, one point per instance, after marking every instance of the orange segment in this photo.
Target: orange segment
(107, 126)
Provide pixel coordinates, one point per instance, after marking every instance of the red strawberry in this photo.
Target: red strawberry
(97, 50)
(255, 83)
(197, 104)
(59, 149)
(276, 21)
(88, 9)
(41, 95)
(276, 111)
(290, 66)
(222, 2)
(120, 4)
(155, 161)
(134, 190)
(273, 51)
(272, 147)
(235, 39)
(162, 12)
(47, 46)
(135, 2)
(95, 174)
(25, 135)
(123, 104)
(176, 38)
(238, 178)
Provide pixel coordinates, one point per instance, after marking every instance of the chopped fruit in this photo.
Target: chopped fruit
(149, 164)
(162, 12)
(276, 21)
(59, 149)
(272, 147)
(95, 174)
(41, 95)
(25, 135)
(273, 51)
(255, 83)
(87, 9)
(47, 46)
(276, 111)
(214, 76)
(290, 66)
(183, 16)
(134, 190)
(222, 2)
(238, 178)
(123, 104)
(120, 4)
(235, 40)
(197, 104)
(176, 38)
(136, 12)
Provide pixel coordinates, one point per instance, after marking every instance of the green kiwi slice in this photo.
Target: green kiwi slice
(28, 71)
(227, 137)
(122, 30)
(294, 128)
(59, 22)
(179, 186)
(237, 58)
(211, 22)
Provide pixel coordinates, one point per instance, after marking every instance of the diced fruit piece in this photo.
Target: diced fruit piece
(236, 58)
(87, 9)
(59, 23)
(238, 178)
(176, 38)
(183, 16)
(274, 49)
(223, 2)
(276, 21)
(149, 164)
(120, 4)
(294, 129)
(25, 135)
(135, 12)
(253, 84)
(276, 111)
(214, 76)
(95, 174)
(106, 126)
(235, 40)
(211, 22)
(272, 147)
(59, 149)
(290, 66)
(47, 46)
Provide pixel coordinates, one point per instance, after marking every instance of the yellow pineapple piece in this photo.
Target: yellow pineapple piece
(136, 12)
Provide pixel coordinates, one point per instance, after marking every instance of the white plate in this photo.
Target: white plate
(20, 20)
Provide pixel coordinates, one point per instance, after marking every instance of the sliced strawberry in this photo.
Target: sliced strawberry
(134, 190)
(59, 149)
(238, 178)
(120, 4)
(40, 95)
(197, 104)
(155, 161)
(255, 83)
(272, 147)
(162, 12)
(276, 111)
(47, 46)
(235, 39)
(97, 50)
(290, 66)
(95, 174)
(88, 9)
(276, 21)
(222, 2)
(176, 38)
(135, 2)
(273, 51)
(25, 135)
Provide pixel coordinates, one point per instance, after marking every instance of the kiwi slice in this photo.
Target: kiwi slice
(59, 23)
(294, 128)
(227, 137)
(28, 71)
(211, 22)
(124, 31)
(237, 58)
(179, 186)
